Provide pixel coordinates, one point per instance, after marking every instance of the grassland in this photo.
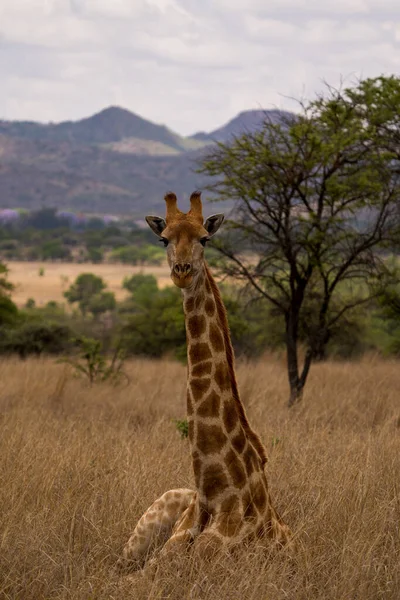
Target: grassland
(59, 276)
(79, 465)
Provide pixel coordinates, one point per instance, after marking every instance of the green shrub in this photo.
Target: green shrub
(35, 337)
(92, 363)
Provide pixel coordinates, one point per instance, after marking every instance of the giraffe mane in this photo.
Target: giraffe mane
(221, 310)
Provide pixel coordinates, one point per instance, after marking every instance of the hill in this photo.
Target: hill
(112, 162)
(246, 121)
(110, 125)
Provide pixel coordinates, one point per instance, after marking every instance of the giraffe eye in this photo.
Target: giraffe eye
(204, 240)
(164, 241)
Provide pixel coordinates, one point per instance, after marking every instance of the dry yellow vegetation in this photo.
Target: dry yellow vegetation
(59, 276)
(79, 465)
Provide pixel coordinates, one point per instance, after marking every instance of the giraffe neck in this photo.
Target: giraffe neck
(216, 416)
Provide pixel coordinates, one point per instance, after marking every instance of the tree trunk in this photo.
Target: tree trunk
(296, 381)
(292, 360)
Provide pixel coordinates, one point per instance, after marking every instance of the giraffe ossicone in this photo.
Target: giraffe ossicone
(231, 502)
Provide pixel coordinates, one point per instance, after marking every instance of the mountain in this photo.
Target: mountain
(246, 121)
(112, 162)
(109, 126)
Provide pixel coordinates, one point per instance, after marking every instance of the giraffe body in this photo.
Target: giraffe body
(231, 502)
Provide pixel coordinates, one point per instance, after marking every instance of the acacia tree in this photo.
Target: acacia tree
(315, 201)
(88, 291)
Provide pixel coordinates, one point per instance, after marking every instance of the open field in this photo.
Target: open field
(79, 465)
(59, 276)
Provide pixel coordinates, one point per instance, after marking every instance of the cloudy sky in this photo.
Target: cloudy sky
(190, 64)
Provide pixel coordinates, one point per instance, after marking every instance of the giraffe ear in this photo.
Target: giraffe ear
(213, 223)
(157, 224)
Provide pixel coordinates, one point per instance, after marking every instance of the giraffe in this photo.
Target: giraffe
(231, 502)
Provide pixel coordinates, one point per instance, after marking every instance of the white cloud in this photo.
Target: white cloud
(191, 65)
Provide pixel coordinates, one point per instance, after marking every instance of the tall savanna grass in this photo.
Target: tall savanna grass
(79, 465)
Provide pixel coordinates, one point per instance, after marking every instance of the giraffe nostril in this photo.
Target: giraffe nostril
(182, 268)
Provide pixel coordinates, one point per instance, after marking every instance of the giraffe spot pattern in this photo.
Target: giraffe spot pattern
(230, 504)
(209, 307)
(210, 406)
(191, 430)
(197, 325)
(259, 494)
(189, 404)
(210, 438)
(199, 352)
(208, 287)
(235, 469)
(189, 305)
(215, 481)
(249, 510)
(202, 369)
(199, 301)
(216, 339)
(172, 507)
(204, 515)
(196, 462)
(239, 441)
(222, 377)
(199, 386)
(230, 524)
(230, 415)
(250, 460)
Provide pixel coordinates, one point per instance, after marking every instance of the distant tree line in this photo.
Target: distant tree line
(149, 322)
(46, 235)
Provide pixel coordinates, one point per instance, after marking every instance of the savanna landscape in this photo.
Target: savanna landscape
(80, 464)
(56, 278)
(93, 353)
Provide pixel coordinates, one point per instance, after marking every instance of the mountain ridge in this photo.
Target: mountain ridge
(113, 161)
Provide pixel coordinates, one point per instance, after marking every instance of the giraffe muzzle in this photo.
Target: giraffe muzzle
(182, 274)
(182, 269)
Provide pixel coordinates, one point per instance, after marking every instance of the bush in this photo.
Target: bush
(54, 250)
(95, 255)
(155, 323)
(86, 286)
(146, 285)
(92, 363)
(36, 338)
(138, 255)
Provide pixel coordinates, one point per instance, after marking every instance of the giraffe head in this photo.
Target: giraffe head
(185, 235)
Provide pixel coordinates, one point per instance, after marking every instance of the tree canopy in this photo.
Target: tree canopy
(316, 205)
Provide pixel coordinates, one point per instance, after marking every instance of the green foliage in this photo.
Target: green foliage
(8, 311)
(36, 337)
(6, 287)
(145, 285)
(153, 323)
(41, 272)
(316, 201)
(95, 255)
(85, 288)
(389, 307)
(44, 236)
(138, 255)
(30, 303)
(183, 427)
(54, 250)
(92, 363)
(101, 303)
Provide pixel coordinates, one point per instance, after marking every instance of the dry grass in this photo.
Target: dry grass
(79, 465)
(59, 276)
